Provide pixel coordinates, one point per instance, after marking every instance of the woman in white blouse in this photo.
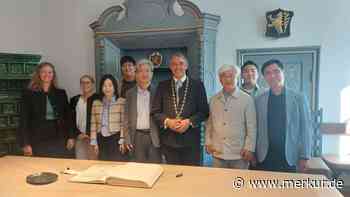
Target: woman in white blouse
(81, 106)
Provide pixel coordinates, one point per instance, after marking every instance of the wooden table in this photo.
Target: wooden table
(196, 181)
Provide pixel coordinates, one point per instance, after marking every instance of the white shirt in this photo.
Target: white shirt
(143, 109)
(183, 79)
(81, 114)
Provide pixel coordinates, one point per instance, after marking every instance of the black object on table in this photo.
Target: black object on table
(42, 178)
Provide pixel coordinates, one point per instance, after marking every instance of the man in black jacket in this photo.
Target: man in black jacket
(179, 107)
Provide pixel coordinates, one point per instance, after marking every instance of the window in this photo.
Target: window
(345, 117)
(345, 105)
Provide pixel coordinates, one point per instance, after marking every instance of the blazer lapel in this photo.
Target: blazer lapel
(183, 88)
(133, 109)
(41, 98)
(152, 91)
(169, 97)
(290, 105)
(265, 100)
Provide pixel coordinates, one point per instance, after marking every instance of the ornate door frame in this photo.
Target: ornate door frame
(119, 23)
(202, 25)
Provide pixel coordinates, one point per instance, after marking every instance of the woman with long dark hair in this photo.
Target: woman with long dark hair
(46, 122)
(107, 117)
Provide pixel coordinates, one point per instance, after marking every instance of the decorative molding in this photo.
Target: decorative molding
(98, 25)
(210, 21)
(192, 7)
(160, 30)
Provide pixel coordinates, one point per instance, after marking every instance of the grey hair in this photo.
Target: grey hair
(144, 61)
(180, 55)
(227, 67)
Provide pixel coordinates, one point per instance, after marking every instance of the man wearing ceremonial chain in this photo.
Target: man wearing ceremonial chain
(179, 107)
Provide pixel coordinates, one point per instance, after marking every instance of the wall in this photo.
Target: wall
(326, 24)
(20, 26)
(59, 31)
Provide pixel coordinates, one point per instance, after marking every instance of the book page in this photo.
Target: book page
(94, 174)
(143, 175)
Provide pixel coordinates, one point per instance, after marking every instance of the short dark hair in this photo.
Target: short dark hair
(114, 82)
(270, 62)
(125, 59)
(249, 62)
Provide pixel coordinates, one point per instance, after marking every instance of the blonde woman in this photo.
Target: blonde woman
(46, 122)
(81, 105)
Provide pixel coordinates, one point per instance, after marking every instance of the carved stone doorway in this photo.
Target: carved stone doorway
(139, 28)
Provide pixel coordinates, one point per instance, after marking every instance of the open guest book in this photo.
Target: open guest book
(130, 175)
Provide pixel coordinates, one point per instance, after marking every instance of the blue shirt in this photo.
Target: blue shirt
(105, 119)
(143, 109)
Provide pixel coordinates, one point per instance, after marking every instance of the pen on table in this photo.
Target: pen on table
(179, 175)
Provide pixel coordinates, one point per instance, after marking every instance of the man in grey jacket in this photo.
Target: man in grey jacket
(231, 127)
(284, 129)
(140, 132)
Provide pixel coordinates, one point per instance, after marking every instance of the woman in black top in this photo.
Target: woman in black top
(46, 120)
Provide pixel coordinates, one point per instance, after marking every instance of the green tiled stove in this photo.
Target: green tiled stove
(15, 73)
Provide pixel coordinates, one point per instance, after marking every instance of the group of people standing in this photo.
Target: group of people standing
(130, 119)
(258, 129)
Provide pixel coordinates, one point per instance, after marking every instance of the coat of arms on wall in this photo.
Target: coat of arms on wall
(278, 23)
(156, 58)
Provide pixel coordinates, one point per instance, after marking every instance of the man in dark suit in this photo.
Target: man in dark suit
(140, 133)
(179, 107)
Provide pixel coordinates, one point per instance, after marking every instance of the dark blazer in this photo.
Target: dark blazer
(196, 109)
(33, 114)
(73, 103)
(130, 121)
